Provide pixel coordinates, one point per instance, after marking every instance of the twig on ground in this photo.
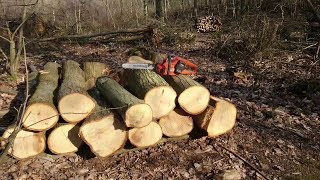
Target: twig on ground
(244, 160)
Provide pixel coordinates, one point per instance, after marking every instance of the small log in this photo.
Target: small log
(41, 113)
(176, 123)
(103, 132)
(92, 71)
(64, 139)
(74, 102)
(26, 144)
(145, 136)
(193, 97)
(133, 110)
(218, 118)
(151, 87)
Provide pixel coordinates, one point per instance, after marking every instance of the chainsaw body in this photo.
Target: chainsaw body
(176, 65)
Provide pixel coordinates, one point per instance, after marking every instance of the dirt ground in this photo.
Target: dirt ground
(277, 131)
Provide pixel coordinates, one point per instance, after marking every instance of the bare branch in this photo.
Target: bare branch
(4, 38)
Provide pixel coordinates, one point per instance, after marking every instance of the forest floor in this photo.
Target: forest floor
(277, 130)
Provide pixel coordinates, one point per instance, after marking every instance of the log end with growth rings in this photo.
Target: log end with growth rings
(145, 136)
(194, 99)
(104, 136)
(40, 117)
(161, 99)
(75, 107)
(138, 115)
(176, 123)
(26, 144)
(64, 139)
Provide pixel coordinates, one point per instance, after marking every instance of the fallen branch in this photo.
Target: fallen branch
(87, 36)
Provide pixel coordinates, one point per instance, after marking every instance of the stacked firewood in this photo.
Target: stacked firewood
(92, 108)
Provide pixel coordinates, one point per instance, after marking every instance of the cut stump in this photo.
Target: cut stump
(151, 87)
(26, 144)
(176, 123)
(218, 118)
(145, 136)
(64, 139)
(74, 103)
(41, 114)
(193, 97)
(133, 110)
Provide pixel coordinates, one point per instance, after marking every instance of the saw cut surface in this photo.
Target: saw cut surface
(64, 139)
(26, 144)
(75, 107)
(176, 123)
(223, 119)
(138, 115)
(104, 136)
(194, 99)
(145, 136)
(40, 117)
(161, 99)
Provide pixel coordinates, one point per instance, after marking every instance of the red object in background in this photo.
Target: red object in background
(176, 66)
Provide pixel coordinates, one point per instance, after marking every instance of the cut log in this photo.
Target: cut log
(193, 97)
(103, 132)
(138, 59)
(176, 123)
(92, 71)
(26, 144)
(133, 110)
(41, 114)
(218, 118)
(74, 103)
(145, 136)
(64, 139)
(151, 87)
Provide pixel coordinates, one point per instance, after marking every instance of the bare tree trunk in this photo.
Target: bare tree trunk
(145, 8)
(195, 8)
(159, 10)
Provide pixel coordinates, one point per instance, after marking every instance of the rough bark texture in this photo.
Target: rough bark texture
(26, 144)
(38, 118)
(74, 103)
(218, 118)
(143, 84)
(73, 79)
(123, 101)
(193, 97)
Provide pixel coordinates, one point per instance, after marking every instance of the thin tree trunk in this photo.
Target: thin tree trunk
(159, 10)
(195, 8)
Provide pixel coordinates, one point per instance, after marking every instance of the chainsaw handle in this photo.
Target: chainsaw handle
(191, 66)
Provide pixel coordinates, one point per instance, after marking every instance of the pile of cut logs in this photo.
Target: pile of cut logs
(89, 107)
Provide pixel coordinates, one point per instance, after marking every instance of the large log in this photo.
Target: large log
(74, 103)
(151, 87)
(26, 144)
(103, 132)
(133, 110)
(145, 136)
(41, 113)
(193, 97)
(92, 71)
(176, 123)
(218, 118)
(64, 139)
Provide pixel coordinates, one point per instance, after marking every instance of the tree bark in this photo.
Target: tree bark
(103, 132)
(41, 113)
(92, 71)
(218, 118)
(74, 102)
(176, 123)
(133, 110)
(145, 136)
(159, 10)
(151, 87)
(64, 139)
(26, 144)
(193, 97)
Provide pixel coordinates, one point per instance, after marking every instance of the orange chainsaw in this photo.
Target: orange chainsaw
(171, 66)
